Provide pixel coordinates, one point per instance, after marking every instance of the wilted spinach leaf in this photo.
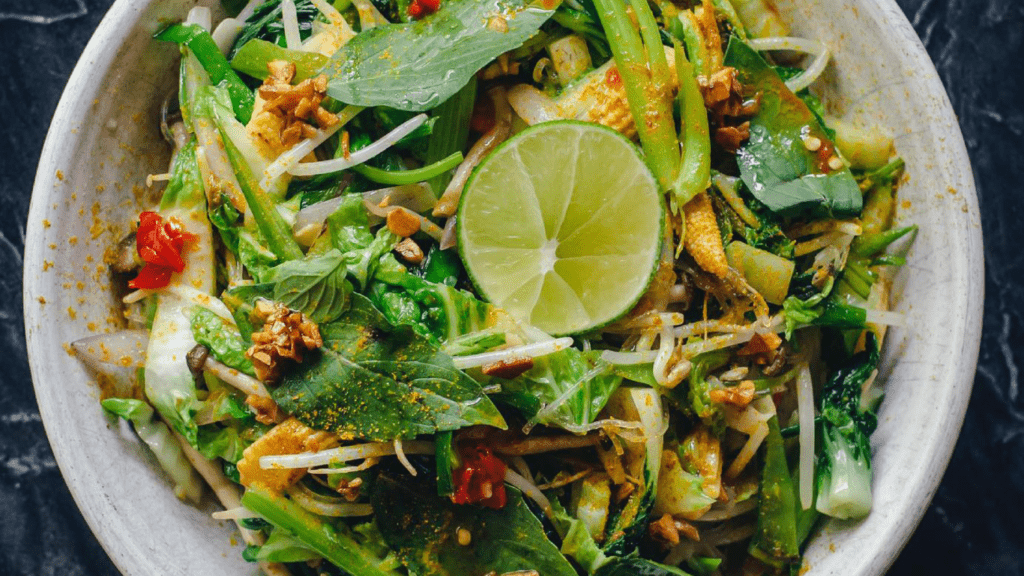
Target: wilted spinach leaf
(223, 340)
(774, 163)
(417, 65)
(376, 381)
(421, 528)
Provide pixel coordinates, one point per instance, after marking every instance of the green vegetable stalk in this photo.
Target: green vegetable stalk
(216, 65)
(775, 541)
(337, 547)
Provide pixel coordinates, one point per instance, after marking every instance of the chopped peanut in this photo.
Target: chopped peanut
(761, 344)
(508, 369)
(285, 334)
(410, 251)
(283, 112)
(403, 222)
(288, 437)
(739, 396)
(267, 411)
(732, 137)
(667, 530)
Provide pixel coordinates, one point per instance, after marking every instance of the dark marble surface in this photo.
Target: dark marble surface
(975, 525)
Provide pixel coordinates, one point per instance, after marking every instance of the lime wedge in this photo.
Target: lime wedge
(561, 226)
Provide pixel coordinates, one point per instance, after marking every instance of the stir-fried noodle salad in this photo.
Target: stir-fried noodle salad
(470, 287)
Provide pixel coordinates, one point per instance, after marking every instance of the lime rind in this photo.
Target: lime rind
(581, 253)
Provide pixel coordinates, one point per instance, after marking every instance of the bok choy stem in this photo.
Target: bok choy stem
(338, 548)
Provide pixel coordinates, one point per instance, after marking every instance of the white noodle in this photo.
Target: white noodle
(534, 350)
(343, 454)
(363, 154)
(805, 407)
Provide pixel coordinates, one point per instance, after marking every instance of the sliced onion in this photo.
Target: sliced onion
(343, 454)
(226, 33)
(817, 49)
(361, 155)
(534, 350)
(449, 239)
(449, 201)
(532, 105)
(109, 353)
(250, 7)
(201, 16)
(290, 20)
(805, 408)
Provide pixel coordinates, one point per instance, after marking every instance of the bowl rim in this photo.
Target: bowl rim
(124, 15)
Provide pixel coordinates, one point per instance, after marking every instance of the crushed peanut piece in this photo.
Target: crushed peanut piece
(267, 411)
(760, 344)
(349, 489)
(464, 536)
(732, 137)
(285, 334)
(284, 112)
(403, 222)
(667, 530)
(738, 396)
(723, 94)
(624, 491)
(508, 369)
(410, 251)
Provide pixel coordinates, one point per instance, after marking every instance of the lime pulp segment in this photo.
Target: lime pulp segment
(561, 226)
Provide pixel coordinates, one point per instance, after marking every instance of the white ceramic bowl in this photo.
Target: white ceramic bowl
(104, 140)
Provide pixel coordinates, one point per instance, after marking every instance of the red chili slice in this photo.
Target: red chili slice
(480, 479)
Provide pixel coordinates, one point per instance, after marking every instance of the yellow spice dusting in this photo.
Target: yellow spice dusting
(60, 175)
(46, 223)
(47, 265)
(72, 313)
(42, 300)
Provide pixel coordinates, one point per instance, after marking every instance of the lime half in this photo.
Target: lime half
(561, 226)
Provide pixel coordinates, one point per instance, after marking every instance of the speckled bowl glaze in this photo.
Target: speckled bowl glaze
(105, 140)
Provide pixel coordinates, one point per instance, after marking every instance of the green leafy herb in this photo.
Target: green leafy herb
(636, 566)
(376, 381)
(775, 164)
(417, 65)
(315, 286)
(421, 528)
(222, 339)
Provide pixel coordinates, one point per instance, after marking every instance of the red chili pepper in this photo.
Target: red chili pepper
(421, 8)
(159, 244)
(480, 479)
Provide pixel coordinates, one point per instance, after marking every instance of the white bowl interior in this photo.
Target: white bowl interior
(105, 140)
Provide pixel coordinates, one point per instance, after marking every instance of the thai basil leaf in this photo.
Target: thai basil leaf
(421, 528)
(315, 286)
(223, 340)
(417, 65)
(774, 163)
(376, 381)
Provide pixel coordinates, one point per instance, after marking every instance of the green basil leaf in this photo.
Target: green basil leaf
(421, 528)
(417, 65)
(315, 286)
(379, 382)
(774, 163)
